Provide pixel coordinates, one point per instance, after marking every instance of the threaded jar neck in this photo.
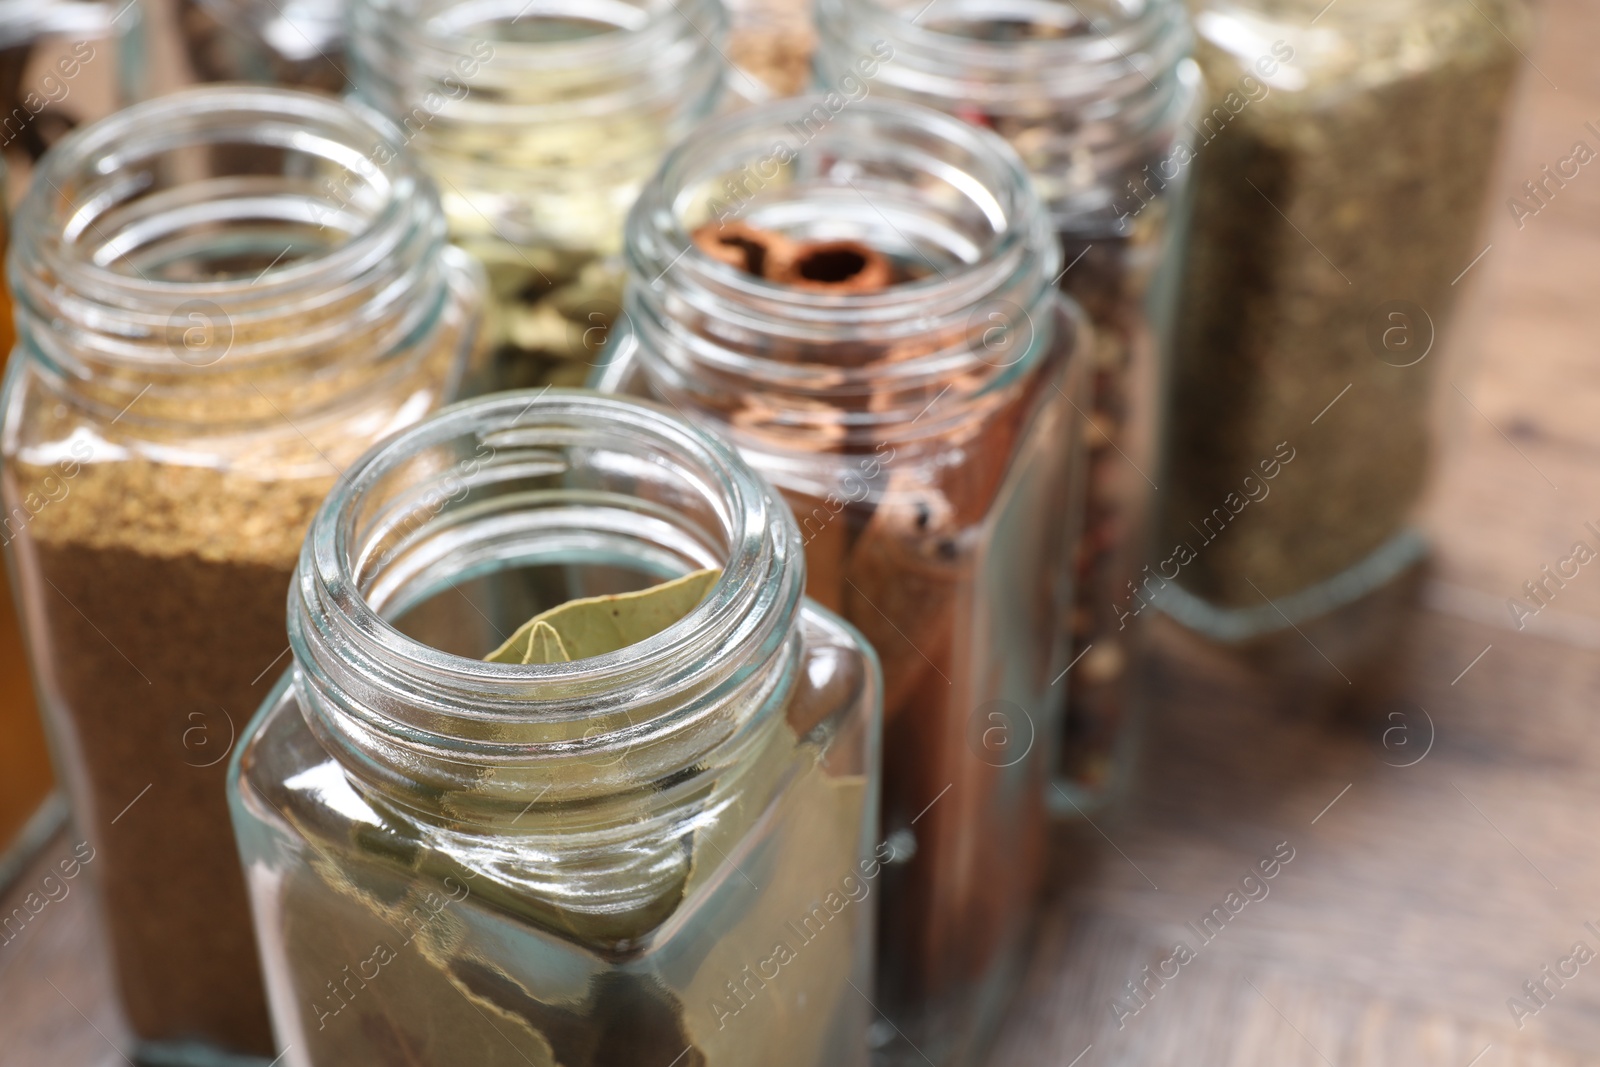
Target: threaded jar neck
(523, 68)
(551, 479)
(1081, 89)
(1011, 57)
(225, 255)
(948, 203)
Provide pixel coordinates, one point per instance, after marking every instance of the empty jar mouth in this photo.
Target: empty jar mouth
(225, 231)
(949, 205)
(574, 486)
(519, 62)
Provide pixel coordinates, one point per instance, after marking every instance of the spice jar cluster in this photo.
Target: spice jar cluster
(537, 544)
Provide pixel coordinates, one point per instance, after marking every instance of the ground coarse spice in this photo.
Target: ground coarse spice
(1355, 183)
(156, 591)
(162, 610)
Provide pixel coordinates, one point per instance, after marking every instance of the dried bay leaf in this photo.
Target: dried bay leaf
(594, 626)
(544, 645)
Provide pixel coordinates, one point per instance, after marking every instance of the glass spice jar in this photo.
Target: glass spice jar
(772, 41)
(658, 856)
(924, 433)
(62, 63)
(540, 124)
(27, 814)
(294, 43)
(200, 352)
(1095, 96)
(1346, 158)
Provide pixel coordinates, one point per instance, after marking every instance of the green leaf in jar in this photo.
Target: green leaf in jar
(544, 645)
(594, 626)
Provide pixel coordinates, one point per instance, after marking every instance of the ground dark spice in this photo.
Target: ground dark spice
(161, 659)
(25, 779)
(1312, 209)
(157, 603)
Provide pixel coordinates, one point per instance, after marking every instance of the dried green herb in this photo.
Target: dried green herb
(1314, 206)
(594, 626)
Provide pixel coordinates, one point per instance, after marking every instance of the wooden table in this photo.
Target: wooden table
(1419, 898)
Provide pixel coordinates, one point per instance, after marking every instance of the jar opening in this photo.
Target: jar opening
(521, 501)
(948, 205)
(222, 231)
(1013, 56)
(558, 22)
(212, 187)
(524, 61)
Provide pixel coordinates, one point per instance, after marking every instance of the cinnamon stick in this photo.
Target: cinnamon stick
(749, 248)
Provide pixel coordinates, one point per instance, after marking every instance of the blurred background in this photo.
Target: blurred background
(1434, 836)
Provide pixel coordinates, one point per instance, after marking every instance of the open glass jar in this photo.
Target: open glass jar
(63, 63)
(924, 433)
(1095, 96)
(658, 856)
(1346, 157)
(200, 352)
(294, 43)
(540, 123)
(27, 814)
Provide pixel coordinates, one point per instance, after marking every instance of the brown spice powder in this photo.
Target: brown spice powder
(160, 608)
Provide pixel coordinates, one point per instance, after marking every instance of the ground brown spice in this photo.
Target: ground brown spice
(25, 779)
(160, 610)
(163, 648)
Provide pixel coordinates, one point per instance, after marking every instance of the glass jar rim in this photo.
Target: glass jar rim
(660, 22)
(349, 132)
(1135, 53)
(657, 218)
(1010, 274)
(751, 608)
(404, 63)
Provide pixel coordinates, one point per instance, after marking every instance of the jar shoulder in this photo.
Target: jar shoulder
(287, 789)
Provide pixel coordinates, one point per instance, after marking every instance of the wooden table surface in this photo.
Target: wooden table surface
(1419, 898)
